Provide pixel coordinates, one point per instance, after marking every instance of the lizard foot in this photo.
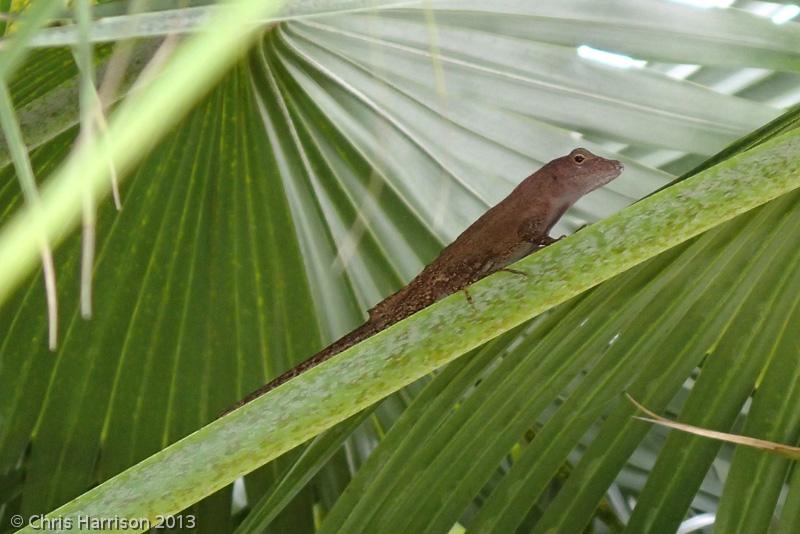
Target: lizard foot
(547, 240)
(469, 299)
(514, 271)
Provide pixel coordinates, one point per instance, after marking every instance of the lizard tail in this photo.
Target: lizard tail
(356, 336)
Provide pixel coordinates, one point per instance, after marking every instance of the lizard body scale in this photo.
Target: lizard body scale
(514, 228)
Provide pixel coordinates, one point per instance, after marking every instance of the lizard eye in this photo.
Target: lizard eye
(579, 158)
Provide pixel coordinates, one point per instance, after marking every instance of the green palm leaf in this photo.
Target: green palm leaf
(326, 168)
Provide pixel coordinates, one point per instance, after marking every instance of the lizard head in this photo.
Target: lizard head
(580, 171)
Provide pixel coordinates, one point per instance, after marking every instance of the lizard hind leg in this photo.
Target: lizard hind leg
(469, 299)
(514, 271)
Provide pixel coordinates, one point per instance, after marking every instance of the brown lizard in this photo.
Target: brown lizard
(514, 228)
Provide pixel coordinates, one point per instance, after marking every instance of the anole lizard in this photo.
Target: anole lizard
(511, 230)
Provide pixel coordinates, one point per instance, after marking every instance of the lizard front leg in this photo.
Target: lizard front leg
(546, 240)
(533, 236)
(534, 231)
